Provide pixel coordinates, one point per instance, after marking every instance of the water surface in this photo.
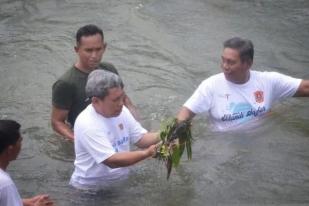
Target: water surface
(163, 50)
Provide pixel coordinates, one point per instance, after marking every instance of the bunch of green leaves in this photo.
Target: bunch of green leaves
(175, 138)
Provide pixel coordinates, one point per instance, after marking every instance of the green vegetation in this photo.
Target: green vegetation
(175, 138)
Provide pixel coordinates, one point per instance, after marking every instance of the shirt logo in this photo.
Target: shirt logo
(227, 96)
(120, 126)
(259, 96)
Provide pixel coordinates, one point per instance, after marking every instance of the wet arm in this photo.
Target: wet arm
(58, 118)
(39, 200)
(184, 114)
(124, 159)
(303, 89)
(148, 139)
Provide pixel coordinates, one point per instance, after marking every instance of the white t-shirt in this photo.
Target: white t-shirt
(96, 139)
(9, 195)
(229, 105)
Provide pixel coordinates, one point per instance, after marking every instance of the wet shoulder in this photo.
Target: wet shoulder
(72, 76)
(212, 83)
(108, 67)
(5, 179)
(215, 79)
(263, 74)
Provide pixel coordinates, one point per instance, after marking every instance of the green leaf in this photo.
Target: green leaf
(171, 151)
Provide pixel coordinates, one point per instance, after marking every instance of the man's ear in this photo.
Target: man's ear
(249, 63)
(9, 150)
(104, 46)
(76, 49)
(94, 100)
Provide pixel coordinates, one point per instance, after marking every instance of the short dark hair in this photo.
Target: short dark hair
(9, 133)
(88, 30)
(100, 81)
(243, 46)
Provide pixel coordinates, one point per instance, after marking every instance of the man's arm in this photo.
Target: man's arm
(58, 118)
(185, 114)
(124, 159)
(148, 139)
(303, 89)
(39, 200)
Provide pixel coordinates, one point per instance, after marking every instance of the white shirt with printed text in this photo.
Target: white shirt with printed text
(230, 105)
(96, 139)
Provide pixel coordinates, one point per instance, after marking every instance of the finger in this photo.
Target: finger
(50, 203)
(159, 144)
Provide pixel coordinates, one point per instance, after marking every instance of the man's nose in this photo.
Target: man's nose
(224, 65)
(94, 54)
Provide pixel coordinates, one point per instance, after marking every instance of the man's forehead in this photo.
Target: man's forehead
(115, 91)
(230, 52)
(85, 39)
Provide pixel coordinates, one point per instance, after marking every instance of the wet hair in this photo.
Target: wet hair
(100, 81)
(9, 133)
(243, 46)
(88, 30)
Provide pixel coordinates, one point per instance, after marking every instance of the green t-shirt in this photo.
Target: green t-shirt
(68, 92)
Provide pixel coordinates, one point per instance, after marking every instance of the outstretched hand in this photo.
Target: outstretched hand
(152, 150)
(39, 200)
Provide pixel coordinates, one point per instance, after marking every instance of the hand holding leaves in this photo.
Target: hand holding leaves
(175, 138)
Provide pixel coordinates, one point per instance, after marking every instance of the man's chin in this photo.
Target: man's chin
(94, 66)
(226, 75)
(116, 114)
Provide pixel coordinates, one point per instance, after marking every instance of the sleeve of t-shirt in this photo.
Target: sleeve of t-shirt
(283, 85)
(9, 196)
(136, 131)
(200, 101)
(62, 96)
(98, 145)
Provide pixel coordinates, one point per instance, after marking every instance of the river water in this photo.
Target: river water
(163, 49)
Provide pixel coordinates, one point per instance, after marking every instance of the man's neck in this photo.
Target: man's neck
(240, 80)
(3, 163)
(80, 67)
(99, 111)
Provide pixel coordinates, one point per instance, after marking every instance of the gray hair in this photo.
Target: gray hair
(99, 81)
(243, 46)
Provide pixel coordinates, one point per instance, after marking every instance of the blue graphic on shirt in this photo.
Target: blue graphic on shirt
(242, 112)
(120, 142)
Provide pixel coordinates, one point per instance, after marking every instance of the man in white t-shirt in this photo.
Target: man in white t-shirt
(239, 95)
(10, 145)
(103, 133)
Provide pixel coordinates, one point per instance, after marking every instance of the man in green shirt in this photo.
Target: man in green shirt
(68, 92)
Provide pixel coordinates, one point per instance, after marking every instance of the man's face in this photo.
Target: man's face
(111, 105)
(90, 51)
(233, 68)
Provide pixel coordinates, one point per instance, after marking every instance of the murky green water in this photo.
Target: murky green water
(163, 50)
